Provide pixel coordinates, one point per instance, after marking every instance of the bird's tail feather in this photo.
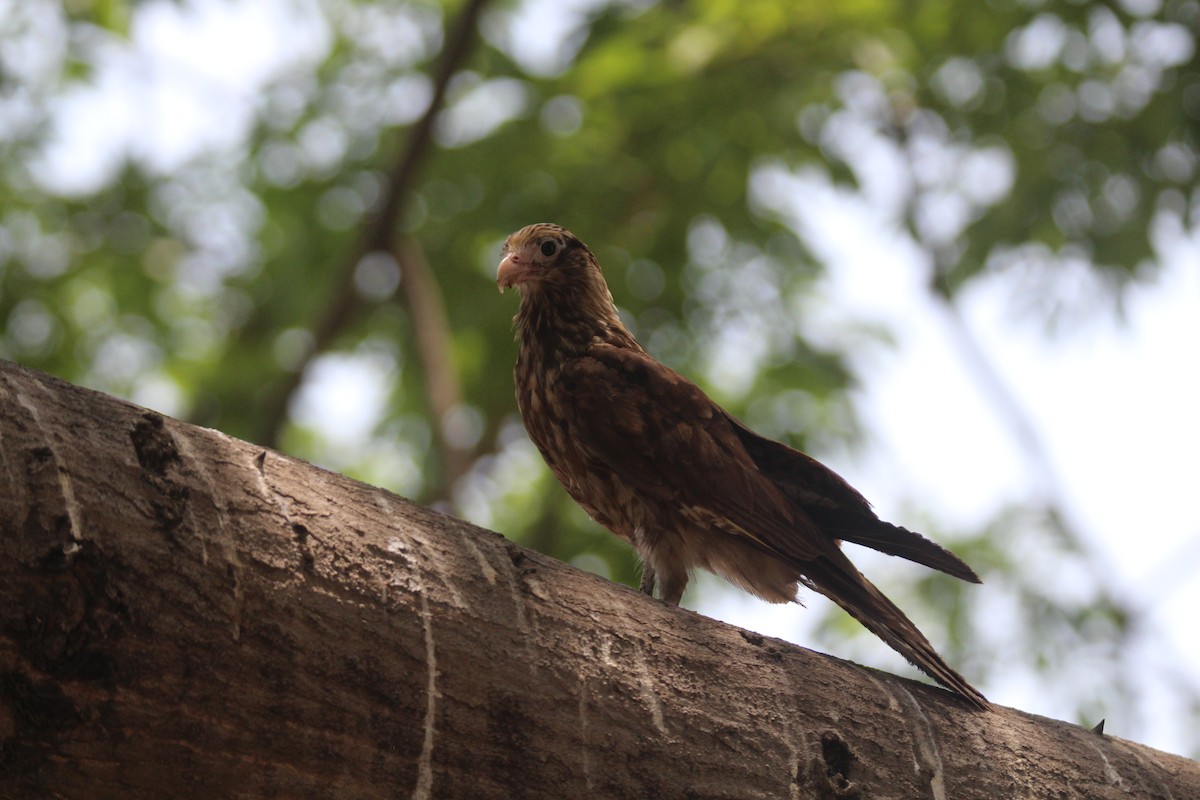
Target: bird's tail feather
(838, 580)
(896, 541)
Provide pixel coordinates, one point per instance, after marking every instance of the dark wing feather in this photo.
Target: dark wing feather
(839, 509)
(667, 440)
(893, 540)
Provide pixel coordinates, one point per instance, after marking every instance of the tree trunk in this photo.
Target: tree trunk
(185, 614)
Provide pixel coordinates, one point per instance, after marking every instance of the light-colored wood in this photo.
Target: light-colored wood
(186, 614)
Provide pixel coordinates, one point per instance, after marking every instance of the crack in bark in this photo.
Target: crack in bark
(424, 787)
(48, 452)
(928, 754)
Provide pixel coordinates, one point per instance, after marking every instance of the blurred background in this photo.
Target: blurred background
(951, 249)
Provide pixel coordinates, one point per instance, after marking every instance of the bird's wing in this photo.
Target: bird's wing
(839, 509)
(668, 441)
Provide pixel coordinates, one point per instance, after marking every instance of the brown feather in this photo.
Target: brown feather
(840, 510)
(649, 456)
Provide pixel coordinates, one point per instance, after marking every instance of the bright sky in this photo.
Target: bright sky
(188, 80)
(1114, 403)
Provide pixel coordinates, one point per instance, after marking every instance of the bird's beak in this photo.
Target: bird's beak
(513, 270)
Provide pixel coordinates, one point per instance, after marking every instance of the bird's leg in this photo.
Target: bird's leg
(670, 578)
(672, 586)
(646, 586)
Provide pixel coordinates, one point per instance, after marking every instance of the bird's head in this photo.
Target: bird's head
(546, 255)
(565, 302)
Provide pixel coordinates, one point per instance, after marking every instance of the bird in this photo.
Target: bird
(651, 457)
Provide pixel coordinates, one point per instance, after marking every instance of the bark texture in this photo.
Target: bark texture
(185, 614)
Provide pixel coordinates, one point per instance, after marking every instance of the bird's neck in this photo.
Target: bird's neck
(566, 321)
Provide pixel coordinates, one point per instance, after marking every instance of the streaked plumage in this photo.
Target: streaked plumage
(649, 456)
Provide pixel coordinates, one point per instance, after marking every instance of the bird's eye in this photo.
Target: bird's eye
(549, 248)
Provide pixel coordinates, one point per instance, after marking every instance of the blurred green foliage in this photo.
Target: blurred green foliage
(1033, 136)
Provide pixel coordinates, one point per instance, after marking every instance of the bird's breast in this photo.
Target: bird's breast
(549, 421)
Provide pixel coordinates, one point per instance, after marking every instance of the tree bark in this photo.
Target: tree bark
(185, 614)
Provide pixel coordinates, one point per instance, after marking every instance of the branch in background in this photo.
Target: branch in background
(380, 233)
(993, 385)
(432, 337)
(975, 358)
(1053, 494)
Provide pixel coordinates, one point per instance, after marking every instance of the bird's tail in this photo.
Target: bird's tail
(836, 578)
(891, 539)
